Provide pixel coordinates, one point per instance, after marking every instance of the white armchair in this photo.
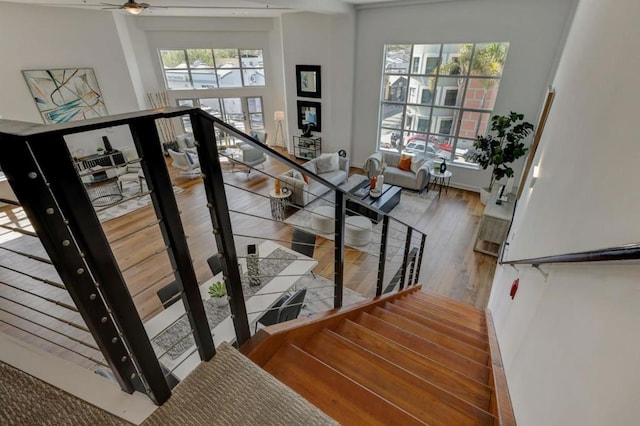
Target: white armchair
(249, 157)
(187, 163)
(132, 172)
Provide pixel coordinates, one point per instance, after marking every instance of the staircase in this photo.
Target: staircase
(411, 358)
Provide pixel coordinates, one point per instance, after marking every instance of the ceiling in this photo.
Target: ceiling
(228, 8)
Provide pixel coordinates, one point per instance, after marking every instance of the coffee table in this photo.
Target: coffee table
(386, 202)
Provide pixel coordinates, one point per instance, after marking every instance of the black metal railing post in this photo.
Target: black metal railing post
(339, 248)
(147, 142)
(221, 220)
(383, 255)
(43, 177)
(423, 240)
(405, 258)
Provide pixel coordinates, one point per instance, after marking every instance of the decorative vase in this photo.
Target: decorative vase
(220, 301)
(277, 189)
(107, 145)
(253, 265)
(443, 166)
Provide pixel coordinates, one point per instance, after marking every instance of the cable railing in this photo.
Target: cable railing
(140, 280)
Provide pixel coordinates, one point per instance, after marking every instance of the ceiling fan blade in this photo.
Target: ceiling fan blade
(158, 7)
(111, 4)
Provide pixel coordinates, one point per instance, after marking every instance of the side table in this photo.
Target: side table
(441, 179)
(279, 203)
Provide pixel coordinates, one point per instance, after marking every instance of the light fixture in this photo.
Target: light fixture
(278, 117)
(133, 9)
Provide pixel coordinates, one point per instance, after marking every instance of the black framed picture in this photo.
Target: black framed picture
(308, 81)
(309, 117)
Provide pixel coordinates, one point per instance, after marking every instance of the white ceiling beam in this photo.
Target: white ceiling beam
(317, 6)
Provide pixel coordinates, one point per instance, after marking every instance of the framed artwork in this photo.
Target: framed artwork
(309, 116)
(308, 81)
(68, 94)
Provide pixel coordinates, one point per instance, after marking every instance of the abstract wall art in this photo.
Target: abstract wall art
(63, 95)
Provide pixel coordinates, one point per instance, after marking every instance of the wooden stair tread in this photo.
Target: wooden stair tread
(462, 386)
(403, 388)
(444, 340)
(470, 321)
(437, 353)
(433, 323)
(427, 313)
(336, 395)
(448, 302)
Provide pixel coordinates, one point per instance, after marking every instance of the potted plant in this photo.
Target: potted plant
(218, 291)
(501, 148)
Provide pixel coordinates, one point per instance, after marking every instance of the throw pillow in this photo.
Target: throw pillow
(327, 163)
(405, 163)
(297, 175)
(310, 165)
(190, 158)
(306, 178)
(416, 163)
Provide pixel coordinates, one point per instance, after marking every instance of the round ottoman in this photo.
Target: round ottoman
(357, 231)
(323, 219)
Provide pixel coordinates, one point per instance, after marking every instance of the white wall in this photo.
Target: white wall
(328, 41)
(35, 37)
(183, 33)
(534, 30)
(569, 342)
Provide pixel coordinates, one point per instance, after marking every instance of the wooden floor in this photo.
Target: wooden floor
(450, 266)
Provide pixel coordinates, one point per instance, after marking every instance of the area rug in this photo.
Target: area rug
(130, 190)
(412, 207)
(319, 298)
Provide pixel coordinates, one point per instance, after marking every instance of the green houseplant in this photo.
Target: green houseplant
(500, 149)
(218, 291)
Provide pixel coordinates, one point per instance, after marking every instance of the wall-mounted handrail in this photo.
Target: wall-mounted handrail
(624, 252)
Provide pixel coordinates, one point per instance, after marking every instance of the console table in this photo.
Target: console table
(495, 222)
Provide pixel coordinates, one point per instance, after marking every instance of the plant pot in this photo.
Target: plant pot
(220, 301)
(485, 193)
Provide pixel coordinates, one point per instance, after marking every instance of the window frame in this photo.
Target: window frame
(396, 109)
(215, 69)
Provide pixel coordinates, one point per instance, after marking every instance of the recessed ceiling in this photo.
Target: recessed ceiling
(219, 8)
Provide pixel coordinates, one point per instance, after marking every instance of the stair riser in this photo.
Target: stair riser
(438, 326)
(461, 386)
(479, 335)
(409, 392)
(426, 348)
(434, 336)
(459, 318)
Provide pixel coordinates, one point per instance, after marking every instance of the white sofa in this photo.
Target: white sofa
(417, 178)
(303, 193)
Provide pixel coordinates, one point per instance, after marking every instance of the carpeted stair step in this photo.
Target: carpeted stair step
(459, 385)
(469, 321)
(408, 391)
(467, 336)
(447, 302)
(338, 396)
(232, 390)
(427, 348)
(434, 336)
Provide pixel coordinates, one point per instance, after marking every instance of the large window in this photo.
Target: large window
(212, 68)
(436, 98)
(243, 113)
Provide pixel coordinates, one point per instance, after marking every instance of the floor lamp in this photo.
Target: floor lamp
(278, 116)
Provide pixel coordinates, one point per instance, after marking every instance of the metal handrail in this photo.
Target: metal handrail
(624, 252)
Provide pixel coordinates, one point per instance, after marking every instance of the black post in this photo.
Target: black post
(60, 210)
(339, 249)
(405, 258)
(383, 254)
(145, 137)
(221, 220)
(422, 244)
